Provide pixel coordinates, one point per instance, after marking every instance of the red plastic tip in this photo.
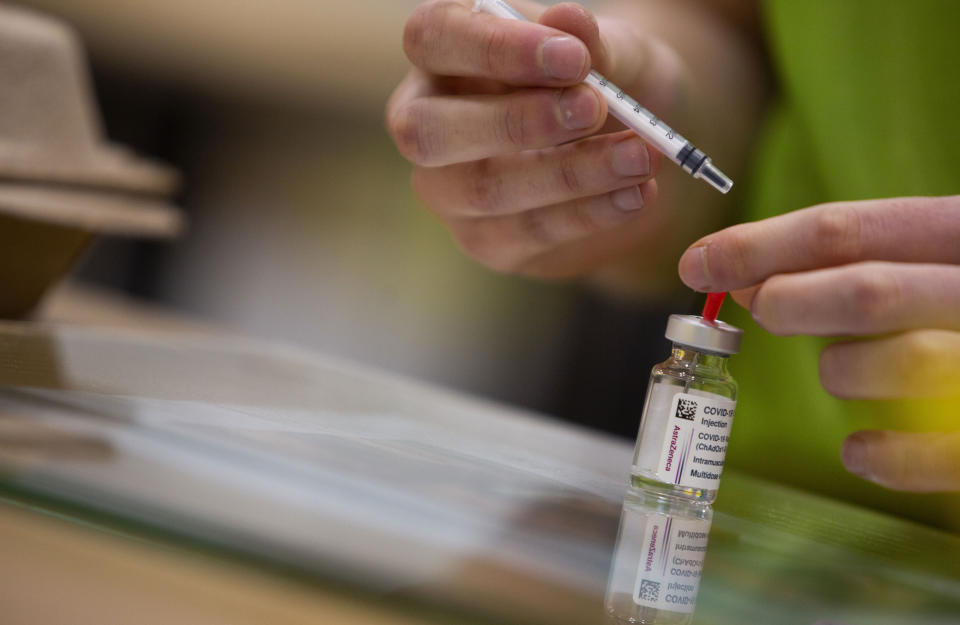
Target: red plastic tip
(712, 307)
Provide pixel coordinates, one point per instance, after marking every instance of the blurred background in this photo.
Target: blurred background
(302, 225)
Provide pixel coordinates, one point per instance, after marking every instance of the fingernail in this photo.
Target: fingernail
(854, 456)
(630, 158)
(629, 199)
(693, 268)
(563, 58)
(578, 107)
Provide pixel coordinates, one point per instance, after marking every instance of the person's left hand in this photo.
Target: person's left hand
(889, 269)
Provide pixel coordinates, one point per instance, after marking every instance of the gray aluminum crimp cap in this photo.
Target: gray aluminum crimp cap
(709, 336)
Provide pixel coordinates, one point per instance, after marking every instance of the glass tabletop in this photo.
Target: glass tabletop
(398, 489)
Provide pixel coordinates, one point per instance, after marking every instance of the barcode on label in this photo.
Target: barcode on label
(649, 590)
(686, 409)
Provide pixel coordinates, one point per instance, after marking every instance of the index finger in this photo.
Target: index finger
(447, 38)
(918, 229)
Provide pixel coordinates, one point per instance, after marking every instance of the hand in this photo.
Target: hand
(508, 146)
(883, 267)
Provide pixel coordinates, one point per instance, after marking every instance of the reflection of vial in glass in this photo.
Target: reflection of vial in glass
(688, 411)
(658, 559)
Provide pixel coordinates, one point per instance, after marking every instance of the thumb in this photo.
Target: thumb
(919, 462)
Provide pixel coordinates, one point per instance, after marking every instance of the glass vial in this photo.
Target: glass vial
(688, 411)
(658, 560)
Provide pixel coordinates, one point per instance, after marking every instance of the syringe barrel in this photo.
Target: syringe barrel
(498, 8)
(669, 142)
(635, 117)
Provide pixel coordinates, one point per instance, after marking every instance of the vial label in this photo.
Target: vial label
(695, 440)
(671, 563)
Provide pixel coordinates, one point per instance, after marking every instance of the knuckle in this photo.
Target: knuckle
(423, 30)
(536, 226)
(583, 219)
(484, 191)
(873, 294)
(838, 232)
(414, 133)
(492, 44)
(568, 177)
(413, 34)
(412, 37)
(512, 124)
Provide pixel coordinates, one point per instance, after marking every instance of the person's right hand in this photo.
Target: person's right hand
(507, 145)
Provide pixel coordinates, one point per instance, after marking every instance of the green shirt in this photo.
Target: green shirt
(868, 107)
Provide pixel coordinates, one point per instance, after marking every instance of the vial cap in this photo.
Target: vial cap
(709, 336)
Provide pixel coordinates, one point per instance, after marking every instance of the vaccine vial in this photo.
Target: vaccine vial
(658, 560)
(688, 411)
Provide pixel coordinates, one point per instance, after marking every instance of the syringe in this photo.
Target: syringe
(635, 117)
